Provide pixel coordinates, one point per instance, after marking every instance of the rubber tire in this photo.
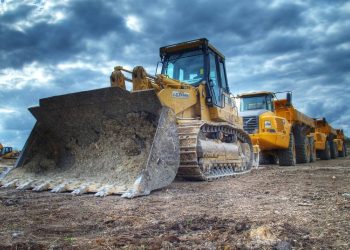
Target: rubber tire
(326, 153)
(312, 149)
(345, 150)
(274, 159)
(333, 149)
(287, 157)
(303, 150)
(342, 153)
(267, 159)
(264, 159)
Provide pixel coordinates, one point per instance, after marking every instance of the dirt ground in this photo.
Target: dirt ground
(303, 207)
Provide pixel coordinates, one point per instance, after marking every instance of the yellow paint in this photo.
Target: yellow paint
(324, 127)
(291, 114)
(11, 154)
(339, 144)
(274, 137)
(182, 101)
(190, 102)
(320, 140)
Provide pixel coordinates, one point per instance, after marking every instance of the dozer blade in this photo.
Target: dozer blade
(105, 141)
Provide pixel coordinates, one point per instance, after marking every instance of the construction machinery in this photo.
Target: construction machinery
(329, 141)
(8, 152)
(272, 133)
(283, 133)
(181, 122)
(342, 151)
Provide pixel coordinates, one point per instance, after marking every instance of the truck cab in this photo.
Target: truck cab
(265, 128)
(252, 106)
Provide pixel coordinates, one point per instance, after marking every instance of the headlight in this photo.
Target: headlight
(267, 124)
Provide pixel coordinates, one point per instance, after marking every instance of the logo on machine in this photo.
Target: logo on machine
(248, 121)
(182, 95)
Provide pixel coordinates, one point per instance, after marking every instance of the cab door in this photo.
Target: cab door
(217, 79)
(214, 80)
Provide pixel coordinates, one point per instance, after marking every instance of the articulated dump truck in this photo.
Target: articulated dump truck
(181, 122)
(285, 134)
(329, 141)
(341, 145)
(278, 128)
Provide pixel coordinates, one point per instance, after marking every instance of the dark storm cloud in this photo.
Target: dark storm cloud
(19, 13)
(269, 45)
(227, 23)
(50, 42)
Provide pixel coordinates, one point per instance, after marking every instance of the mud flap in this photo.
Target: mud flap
(105, 141)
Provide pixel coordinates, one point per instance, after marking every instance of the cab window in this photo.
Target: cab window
(223, 77)
(214, 81)
(256, 102)
(186, 67)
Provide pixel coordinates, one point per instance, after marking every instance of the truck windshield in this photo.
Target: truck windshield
(186, 67)
(256, 102)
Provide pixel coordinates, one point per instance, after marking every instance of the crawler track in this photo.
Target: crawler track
(196, 164)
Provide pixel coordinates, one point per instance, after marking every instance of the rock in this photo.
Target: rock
(283, 245)
(346, 195)
(16, 234)
(241, 226)
(262, 233)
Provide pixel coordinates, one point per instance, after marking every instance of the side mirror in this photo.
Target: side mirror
(289, 99)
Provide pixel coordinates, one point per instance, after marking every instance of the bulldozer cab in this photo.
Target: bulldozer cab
(197, 62)
(256, 101)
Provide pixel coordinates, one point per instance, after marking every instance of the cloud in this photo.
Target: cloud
(133, 23)
(55, 47)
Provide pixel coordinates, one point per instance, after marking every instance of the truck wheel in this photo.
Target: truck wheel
(343, 152)
(303, 150)
(264, 159)
(274, 159)
(326, 153)
(312, 149)
(333, 149)
(287, 157)
(267, 159)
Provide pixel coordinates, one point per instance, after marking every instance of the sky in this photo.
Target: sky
(49, 48)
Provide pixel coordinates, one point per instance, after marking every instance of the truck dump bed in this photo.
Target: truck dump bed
(292, 114)
(323, 126)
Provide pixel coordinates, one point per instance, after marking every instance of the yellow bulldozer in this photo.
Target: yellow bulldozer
(8, 152)
(181, 122)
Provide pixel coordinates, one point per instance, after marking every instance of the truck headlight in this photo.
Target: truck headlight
(267, 124)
